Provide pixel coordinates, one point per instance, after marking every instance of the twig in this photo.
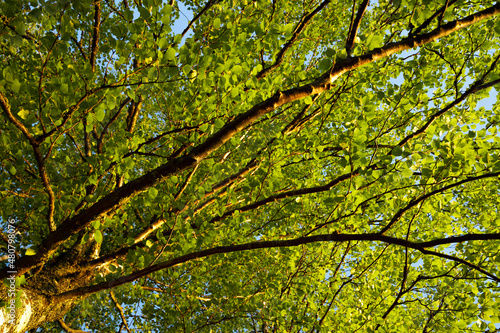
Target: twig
(120, 309)
(69, 329)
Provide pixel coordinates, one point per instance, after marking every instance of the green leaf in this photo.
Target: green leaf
(204, 127)
(162, 43)
(23, 114)
(85, 238)
(342, 54)
(497, 28)
(330, 52)
(7, 74)
(216, 23)
(98, 236)
(131, 94)
(358, 136)
(100, 114)
(64, 88)
(397, 151)
(11, 168)
(374, 41)
(170, 54)
(407, 172)
(15, 85)
(152, 192)
(325, 64)
(20, 280)
(219, 123)
(144, 12)
(165, 18)
(237, 69)
(288, 28)
(129, 163)
(20, 27)
(18, 302)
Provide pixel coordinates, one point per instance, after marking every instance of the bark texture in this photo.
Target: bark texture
(39, 295)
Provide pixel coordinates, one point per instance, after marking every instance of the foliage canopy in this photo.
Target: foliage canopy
(276, 166)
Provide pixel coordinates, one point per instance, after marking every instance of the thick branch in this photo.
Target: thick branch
(334, 237)
(323, 83)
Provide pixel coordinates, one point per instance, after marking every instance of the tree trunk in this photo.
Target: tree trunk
(36, 309)
(39, 303)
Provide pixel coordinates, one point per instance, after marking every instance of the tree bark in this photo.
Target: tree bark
(38, 295)
(36, 309)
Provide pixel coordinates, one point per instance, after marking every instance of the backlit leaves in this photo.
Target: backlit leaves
(391, 144)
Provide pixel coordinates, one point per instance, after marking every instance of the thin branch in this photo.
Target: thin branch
(79, 47)
(95, 37)
(27, 35)
(116, 10)
(445, 7)
(186, 183)
(209, 4)
(67, 328)
(120, 310)
(39, 158)
(238, 175)
(439, 12)
(401, 289)
(416, 201)
(475, 87)
(299, 120)
(287, 194)
(297, 31)
(136, 106)
(7, 110)
(159, 136)
(100, 141)
(133, 114)
(353, 30)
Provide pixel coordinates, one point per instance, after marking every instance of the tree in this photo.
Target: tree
(274, 167)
